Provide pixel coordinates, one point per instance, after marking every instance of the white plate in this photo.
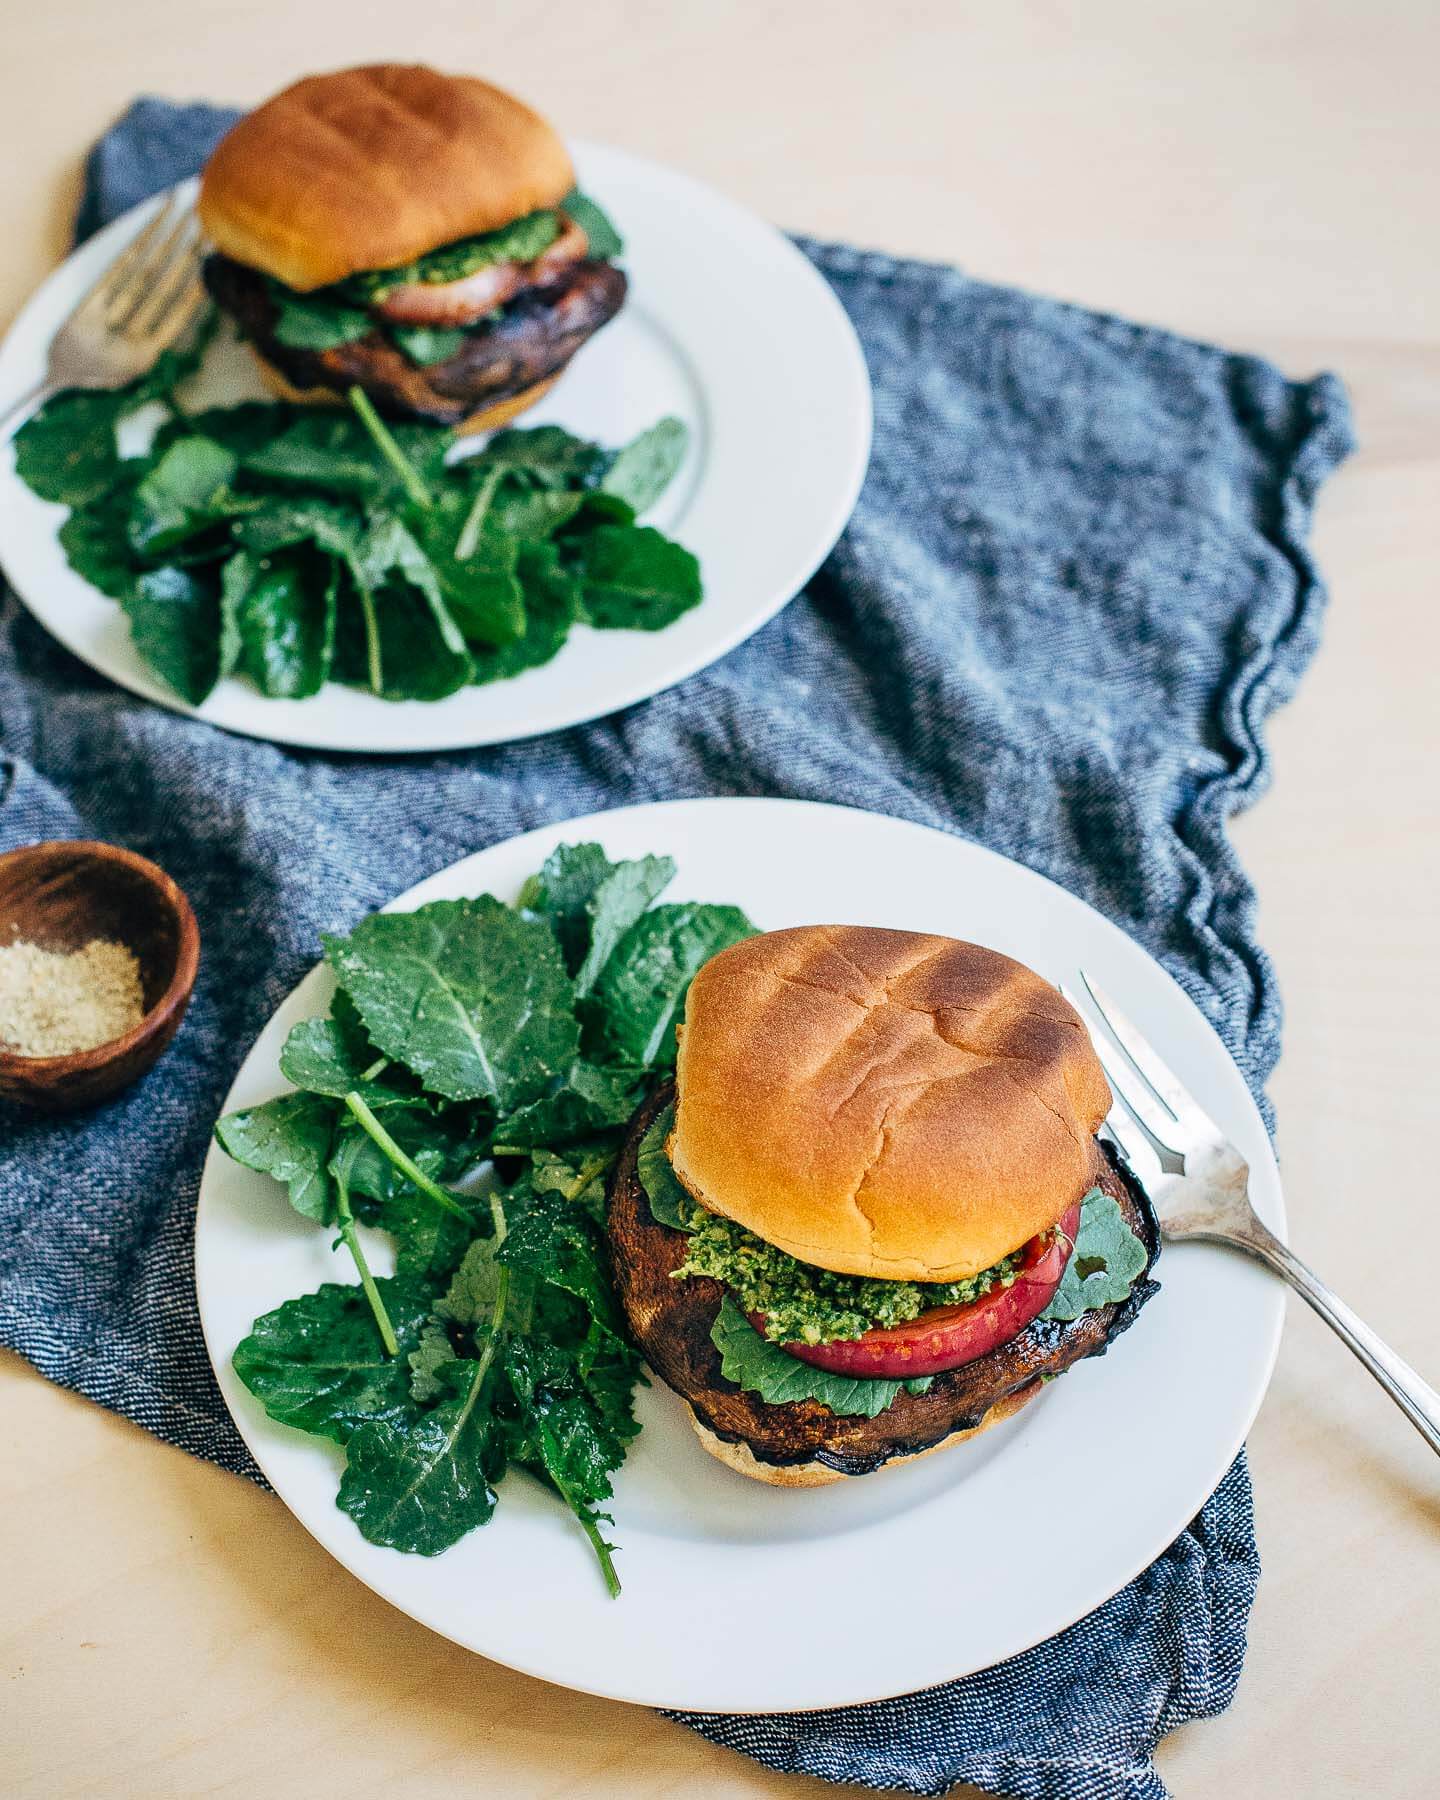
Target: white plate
(728, 327)
(739, 1597)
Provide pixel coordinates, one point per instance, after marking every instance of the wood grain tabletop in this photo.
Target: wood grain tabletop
(1260, 176)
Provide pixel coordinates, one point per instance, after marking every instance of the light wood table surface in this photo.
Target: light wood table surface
(1260, 175)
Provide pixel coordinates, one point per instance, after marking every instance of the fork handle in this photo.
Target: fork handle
(1410, 1391)
(29, 403)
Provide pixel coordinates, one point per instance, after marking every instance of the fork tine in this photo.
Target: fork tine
(178, 318)
(1156, 1125)
(99, 295)
(1134, 1145)
(1153, 1070)
(186, 312)
(181, 280)
(130, 295)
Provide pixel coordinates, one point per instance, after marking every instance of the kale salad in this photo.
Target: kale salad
(469, 1036)
(294, 547)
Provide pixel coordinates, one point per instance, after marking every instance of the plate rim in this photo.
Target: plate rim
(1260, 1377)
(135, 678)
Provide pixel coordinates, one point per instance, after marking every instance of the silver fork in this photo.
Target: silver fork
(146, 298)
(1199, 1183)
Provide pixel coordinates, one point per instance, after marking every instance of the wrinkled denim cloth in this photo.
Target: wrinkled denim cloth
(1076, 584)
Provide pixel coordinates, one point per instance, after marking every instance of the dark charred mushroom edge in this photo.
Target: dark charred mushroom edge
(533, 338)
(671, 1321)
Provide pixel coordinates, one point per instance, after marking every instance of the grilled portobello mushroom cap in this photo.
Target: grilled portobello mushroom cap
(528, 345)
(671, 1321)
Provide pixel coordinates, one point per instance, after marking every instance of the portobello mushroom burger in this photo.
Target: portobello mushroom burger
(413, 234)
(870, 1216)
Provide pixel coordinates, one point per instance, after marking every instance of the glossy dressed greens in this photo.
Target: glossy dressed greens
(293, 548)
(464, 1033)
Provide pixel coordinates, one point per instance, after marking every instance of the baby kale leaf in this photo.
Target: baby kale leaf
(187, 491)
(561, 892)
(413, 650)
(582, 1451)
(429, 1239)
(476, 572)
(542, 455)
(617, 903)
(407, 657)
(670, 1203)
(571, 1427)
(469, 994)
(531, 515)
(576, 1455)
(445, 1143)
(429, 1243)
(552, 605)
(602, 239)
(242, 429)
(428, 1360)
(427, 344)
(321, 320)
(577, 1173)
(552, 1240)
(640, 993)
(479, 1284)
(288, 1138)
(647, 465)
(423, 1482)
(68, 452)
(280, 521)
(283, 613)
(175, 621)
(632, 576)
(1107, 1261)
(591, 902)
(317, 1363)
(612, 1373)
(586, 1100)
(326, 1056)
(334, 453)
(94, 541)
(760, 1367)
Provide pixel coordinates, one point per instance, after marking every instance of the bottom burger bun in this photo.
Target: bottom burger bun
(488, 418)
(742, 1459)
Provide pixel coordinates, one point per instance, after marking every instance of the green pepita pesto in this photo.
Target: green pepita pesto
(803, 1304)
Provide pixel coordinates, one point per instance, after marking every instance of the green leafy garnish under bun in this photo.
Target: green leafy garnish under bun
(876, 1215)
(463, 1032)
(414, 233)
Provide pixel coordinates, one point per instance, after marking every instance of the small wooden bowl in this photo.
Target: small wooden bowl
(60, 896)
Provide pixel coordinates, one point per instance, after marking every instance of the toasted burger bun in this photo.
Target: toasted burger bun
(743, 1460)
(884, 1103)
(370, 168)
(801, 1442)
(489, 418)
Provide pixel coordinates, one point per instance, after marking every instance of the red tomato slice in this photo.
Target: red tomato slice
(947, 1336)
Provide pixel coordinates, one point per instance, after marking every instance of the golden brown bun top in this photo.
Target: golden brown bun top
(370, 168)
(884, 1102)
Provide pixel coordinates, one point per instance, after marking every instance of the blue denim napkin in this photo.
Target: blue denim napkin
(1076, 584)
